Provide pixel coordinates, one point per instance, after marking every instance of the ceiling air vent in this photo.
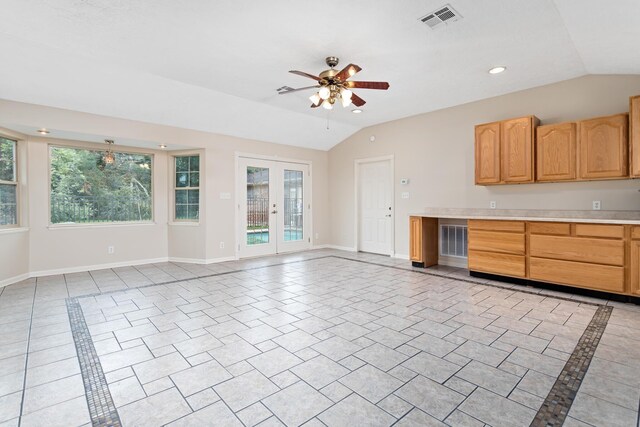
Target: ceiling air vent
(444, 15)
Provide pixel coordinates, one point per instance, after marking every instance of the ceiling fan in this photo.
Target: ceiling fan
(334, 85)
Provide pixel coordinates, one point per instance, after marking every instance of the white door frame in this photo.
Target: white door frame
(357, 163)
(236, 200)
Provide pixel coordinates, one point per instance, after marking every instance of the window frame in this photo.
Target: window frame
(175, 189)
(99, 148)
(15, 182)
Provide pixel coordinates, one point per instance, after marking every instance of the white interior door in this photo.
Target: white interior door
(274, 207)
(374, 211)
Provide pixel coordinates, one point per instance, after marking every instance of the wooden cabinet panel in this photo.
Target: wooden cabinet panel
(495, 241)
(487, 153)
(603, 146)
(600, 251)
(516, 146)
(496, 225)
(415, 238)
(495, 263)
(553, 228)
(635, 232)
(634, 134)
(597, 230)
(593, 276)
(634, 276)
(556, 152)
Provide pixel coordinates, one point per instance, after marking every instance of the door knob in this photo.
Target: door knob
(274, 211)
(388, 216)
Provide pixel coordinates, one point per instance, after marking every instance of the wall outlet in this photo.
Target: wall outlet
(492, 204)
(221, 245)
(596, 206)
(111, 250)
(405, 195)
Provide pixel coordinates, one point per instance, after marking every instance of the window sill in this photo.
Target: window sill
(185, 223)
(12, 230)
(101, 225)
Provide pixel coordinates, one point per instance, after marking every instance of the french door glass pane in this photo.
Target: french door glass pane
(257, 205)
(293, 205)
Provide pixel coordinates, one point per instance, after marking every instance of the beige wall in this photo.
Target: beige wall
(435, 151)
(55, 248)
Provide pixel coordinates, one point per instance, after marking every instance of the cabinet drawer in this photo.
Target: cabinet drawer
(597, 230)
(635, 233)
(553, 228)
(593, 276)
(496, 241)
(495, 263)
(598, 251)
(490, 225)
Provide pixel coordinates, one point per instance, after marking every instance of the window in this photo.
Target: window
(187, 188)
(84, 189)
(8, 183)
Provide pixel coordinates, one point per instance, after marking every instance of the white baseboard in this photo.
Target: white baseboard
(15, 279)
(341, 248)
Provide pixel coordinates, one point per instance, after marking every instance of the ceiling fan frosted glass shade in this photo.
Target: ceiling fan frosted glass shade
(345, 93)
(345, 101)
(324, 92)
(327, 105)
(315, 99)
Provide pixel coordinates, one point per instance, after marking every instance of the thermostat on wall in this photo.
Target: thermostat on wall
(404, 181)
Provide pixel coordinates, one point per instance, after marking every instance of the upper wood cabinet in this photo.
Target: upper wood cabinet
(603, 146)
(504, 151)
(556, 152)
(487, 152)
(634, 134)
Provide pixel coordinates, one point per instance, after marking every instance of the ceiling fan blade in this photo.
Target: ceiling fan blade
(347, 72)
(296, 90)
(367, 85)
(303, 74)
(357, 101)
(316, 106)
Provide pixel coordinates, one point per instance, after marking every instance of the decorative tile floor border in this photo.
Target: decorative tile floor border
(556, 406)
(551, 414)
(101, 407)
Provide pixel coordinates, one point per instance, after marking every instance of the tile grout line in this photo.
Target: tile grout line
(556, 406)
(102, 410)
(26, 358)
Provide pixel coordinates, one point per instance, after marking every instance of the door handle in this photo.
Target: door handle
(274, 212)
(388, 216)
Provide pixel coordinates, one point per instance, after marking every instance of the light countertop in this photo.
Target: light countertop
(596, 217)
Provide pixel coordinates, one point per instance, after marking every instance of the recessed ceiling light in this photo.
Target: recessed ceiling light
(497, 70)
(356, 111)
(163, 146)
(43, 131)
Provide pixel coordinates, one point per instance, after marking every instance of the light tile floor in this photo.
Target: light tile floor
(311, 338)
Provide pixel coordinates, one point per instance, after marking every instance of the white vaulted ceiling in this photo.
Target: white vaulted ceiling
(216, 65)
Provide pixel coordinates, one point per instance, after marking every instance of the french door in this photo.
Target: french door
(274, 207)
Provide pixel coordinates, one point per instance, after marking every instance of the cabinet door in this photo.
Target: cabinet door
(603, 147)
(635, 267)
(487, 152)
(556, 152)
(415, 238)
(634, 129)
(516, 137)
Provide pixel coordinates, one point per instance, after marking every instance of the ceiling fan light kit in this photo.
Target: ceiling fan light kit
(333, 86)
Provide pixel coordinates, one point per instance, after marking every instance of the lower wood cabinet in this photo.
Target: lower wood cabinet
(423, 241)
(594, 256)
